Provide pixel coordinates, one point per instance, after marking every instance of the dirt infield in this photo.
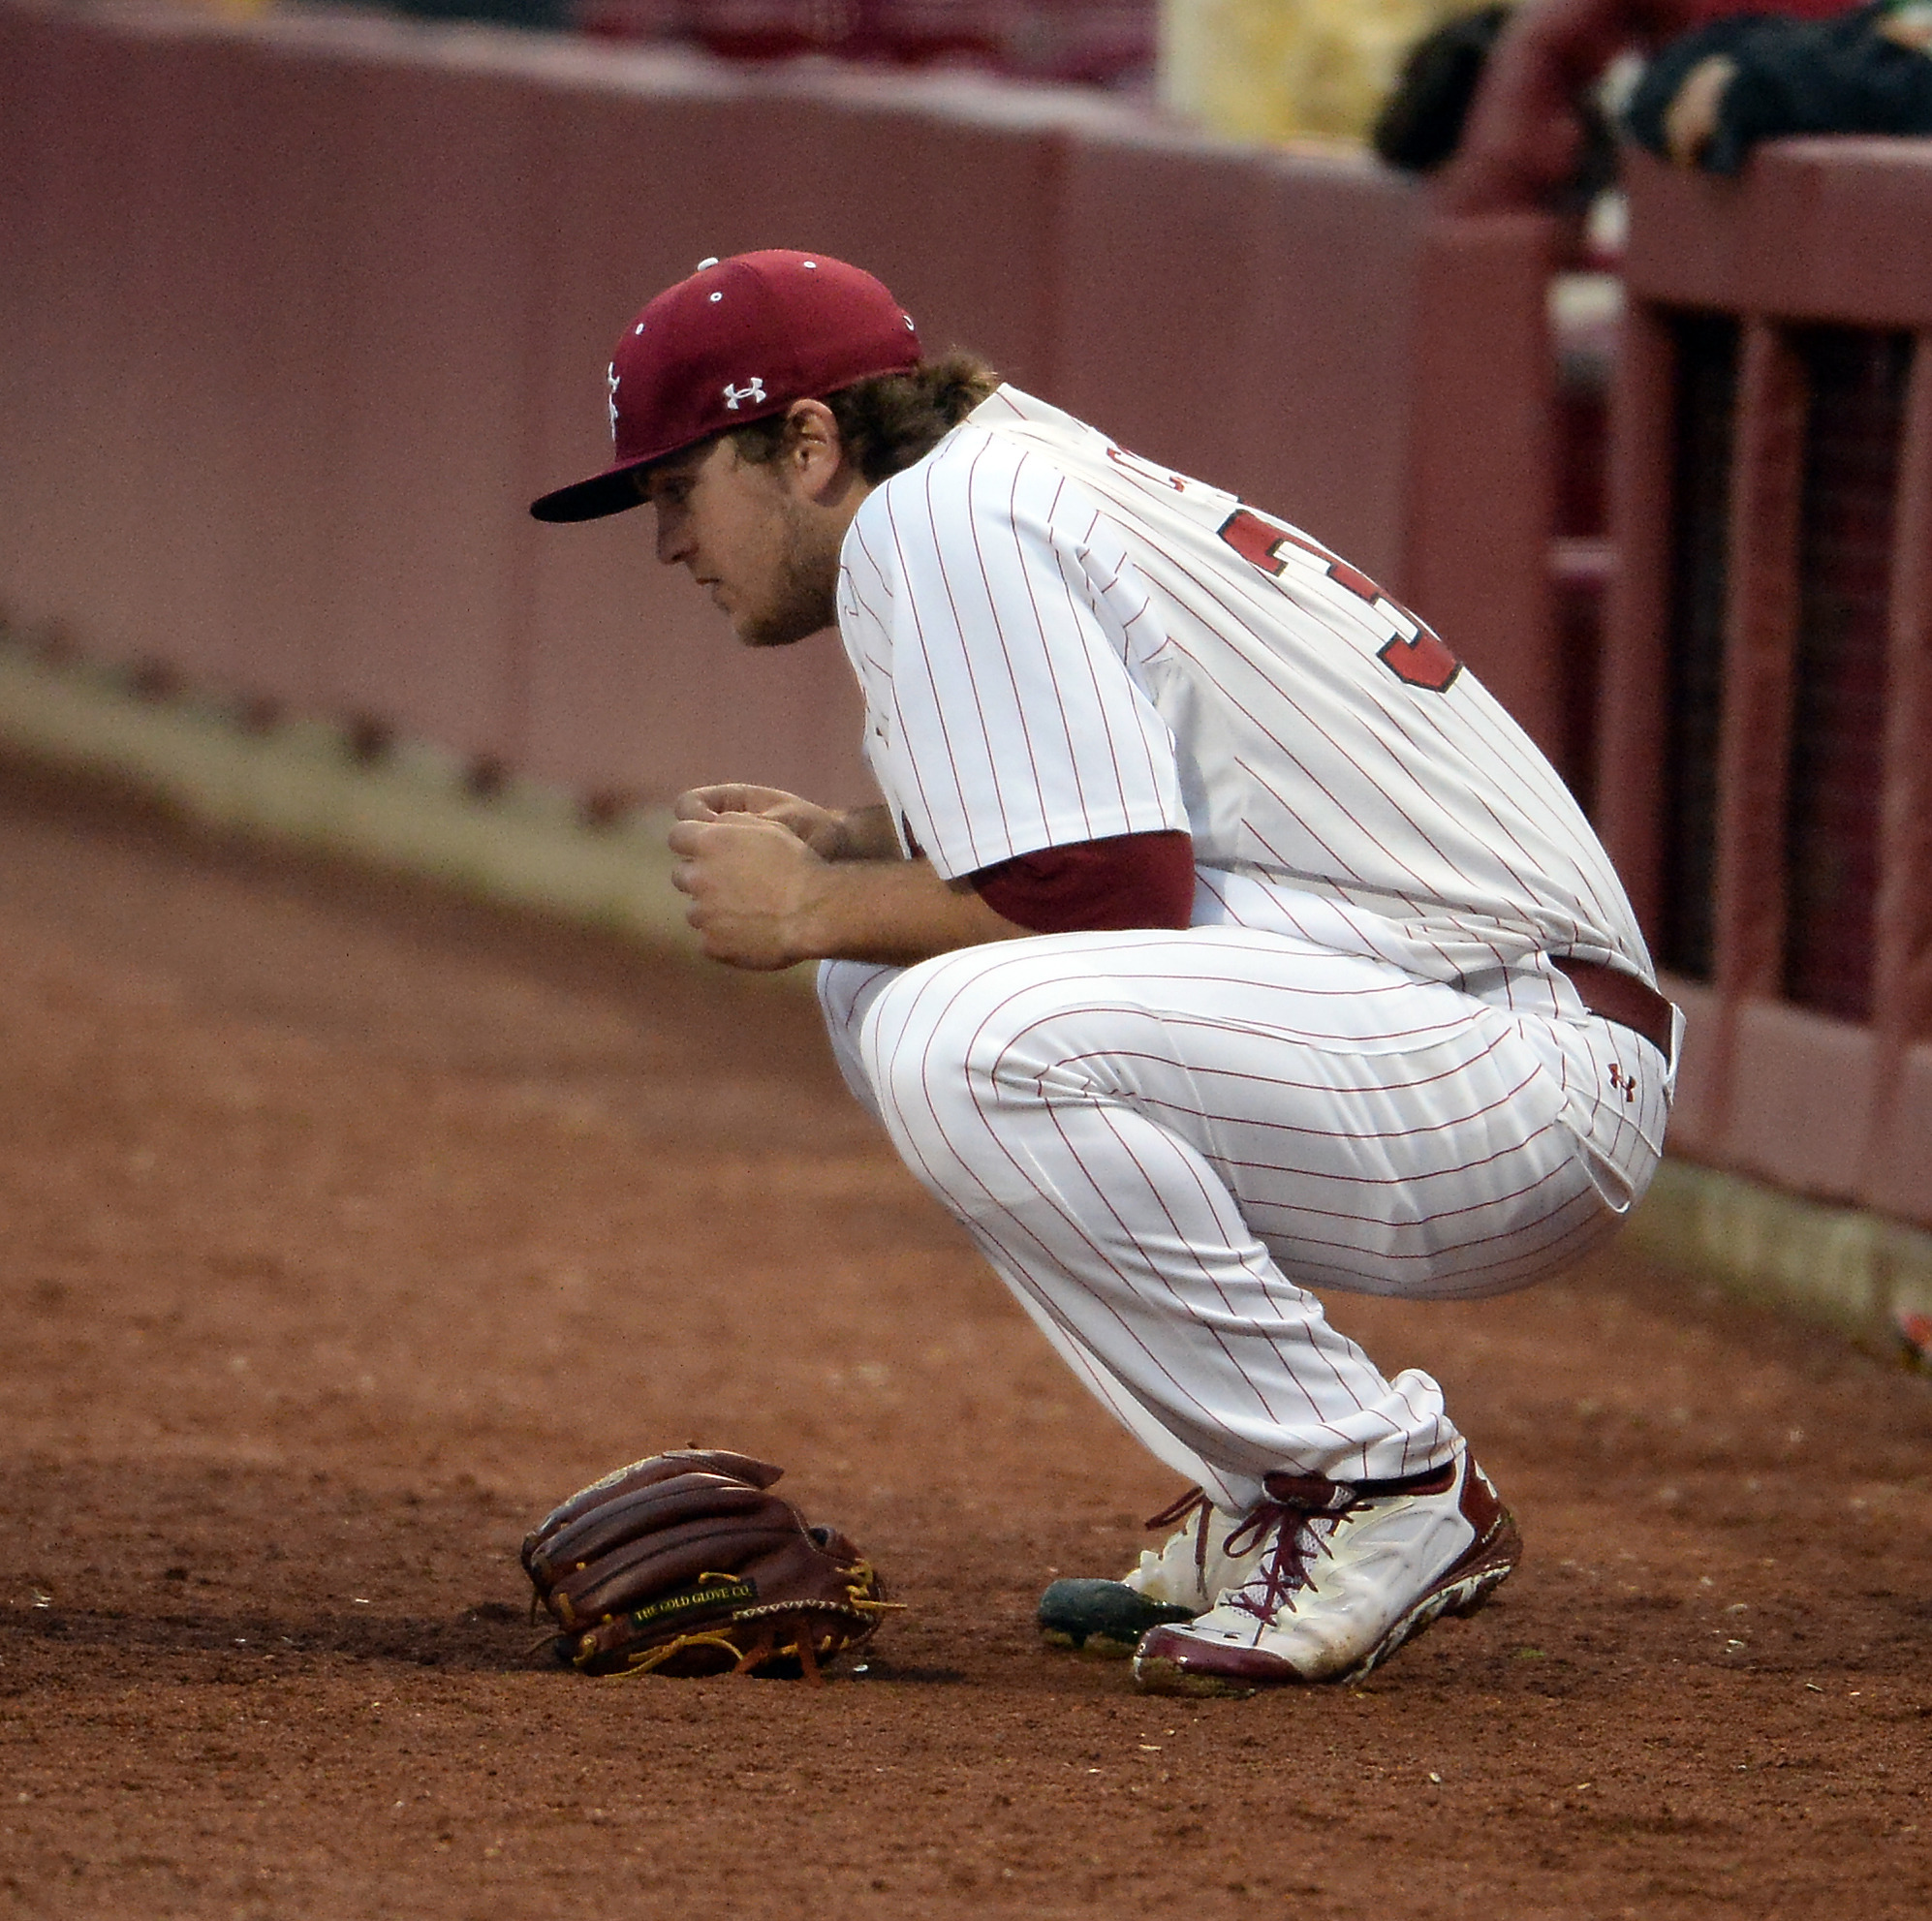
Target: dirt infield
(348, 1227)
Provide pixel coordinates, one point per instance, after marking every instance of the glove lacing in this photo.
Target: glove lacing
(804, 1647)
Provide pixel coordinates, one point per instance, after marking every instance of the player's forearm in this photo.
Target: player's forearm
(762, 898)
(896, 913)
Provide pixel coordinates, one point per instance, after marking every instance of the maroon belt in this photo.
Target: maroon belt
(1623, 998)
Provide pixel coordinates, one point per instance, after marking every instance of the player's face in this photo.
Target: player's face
(747, 531)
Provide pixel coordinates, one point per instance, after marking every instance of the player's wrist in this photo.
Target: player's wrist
(810, 928)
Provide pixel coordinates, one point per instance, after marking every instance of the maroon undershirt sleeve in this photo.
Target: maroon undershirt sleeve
(1128, 881)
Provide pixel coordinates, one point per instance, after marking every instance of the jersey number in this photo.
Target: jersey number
(1421, 662)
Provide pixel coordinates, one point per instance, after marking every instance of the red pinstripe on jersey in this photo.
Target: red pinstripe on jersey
(1153, 676)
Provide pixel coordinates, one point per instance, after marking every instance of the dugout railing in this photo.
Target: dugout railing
(1764, 756)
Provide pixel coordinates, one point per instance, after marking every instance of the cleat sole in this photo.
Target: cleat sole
(1157, 1675)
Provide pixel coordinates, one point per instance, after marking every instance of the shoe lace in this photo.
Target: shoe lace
(1190, 1509)
(1294, 1514)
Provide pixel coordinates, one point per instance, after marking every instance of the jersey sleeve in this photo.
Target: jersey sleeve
(1135, 880)
(992, 620)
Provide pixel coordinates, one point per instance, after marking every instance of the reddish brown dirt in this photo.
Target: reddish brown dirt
(347, 1227)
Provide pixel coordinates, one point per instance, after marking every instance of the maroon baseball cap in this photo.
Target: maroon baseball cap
(741, 339)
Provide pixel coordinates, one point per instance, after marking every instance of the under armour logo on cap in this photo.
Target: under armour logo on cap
(811, 324)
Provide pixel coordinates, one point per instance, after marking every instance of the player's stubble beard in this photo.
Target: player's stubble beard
(804, 584)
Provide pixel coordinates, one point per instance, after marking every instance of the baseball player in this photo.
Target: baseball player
(1219, 939)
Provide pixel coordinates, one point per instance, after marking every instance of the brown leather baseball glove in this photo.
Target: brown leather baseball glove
(685, 1563)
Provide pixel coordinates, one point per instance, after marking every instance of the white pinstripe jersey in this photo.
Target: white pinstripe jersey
(1059, 641)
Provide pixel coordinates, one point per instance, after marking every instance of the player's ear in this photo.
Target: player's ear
(812, 443)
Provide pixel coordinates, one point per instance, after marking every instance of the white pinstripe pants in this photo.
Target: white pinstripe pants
(1163, 1142)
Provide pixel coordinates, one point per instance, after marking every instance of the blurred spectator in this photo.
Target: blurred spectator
(1705, 100)
(1527, 131)
(1421, 122)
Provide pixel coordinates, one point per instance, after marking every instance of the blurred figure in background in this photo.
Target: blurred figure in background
(1530, 121)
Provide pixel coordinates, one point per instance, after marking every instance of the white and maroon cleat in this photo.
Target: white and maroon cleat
(1351, 1571)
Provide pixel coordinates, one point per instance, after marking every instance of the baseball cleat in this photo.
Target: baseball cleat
(1347, 1575)
(1108, 1618)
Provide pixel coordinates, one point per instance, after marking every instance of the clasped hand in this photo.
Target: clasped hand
(754, 862)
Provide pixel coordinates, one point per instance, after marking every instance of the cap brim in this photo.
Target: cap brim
(611, 491)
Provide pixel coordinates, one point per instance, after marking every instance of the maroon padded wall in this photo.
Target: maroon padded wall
(1247, 318)
(308, 308)
(72, 370)
(1480, 469)
(438, 283)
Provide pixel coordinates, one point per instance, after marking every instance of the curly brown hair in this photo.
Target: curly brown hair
(889, 421)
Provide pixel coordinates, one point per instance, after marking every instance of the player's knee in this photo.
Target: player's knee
(927, 1040)
(906, 1042)
(847, 990)
(962, 1048)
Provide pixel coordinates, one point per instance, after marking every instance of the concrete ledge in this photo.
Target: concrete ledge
(1859, 1273)
(418, 809)
(412, 807)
